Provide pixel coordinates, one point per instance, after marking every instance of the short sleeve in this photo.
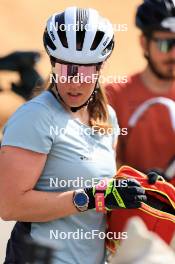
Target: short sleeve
(29, 128)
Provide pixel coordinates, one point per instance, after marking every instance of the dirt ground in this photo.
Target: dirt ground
(22, 24)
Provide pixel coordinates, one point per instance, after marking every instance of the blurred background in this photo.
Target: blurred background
(21, 28)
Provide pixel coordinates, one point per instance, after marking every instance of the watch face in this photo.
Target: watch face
(80, 199)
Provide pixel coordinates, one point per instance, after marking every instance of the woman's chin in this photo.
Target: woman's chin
(75, 101)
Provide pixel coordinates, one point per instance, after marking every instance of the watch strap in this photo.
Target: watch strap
(99, 196)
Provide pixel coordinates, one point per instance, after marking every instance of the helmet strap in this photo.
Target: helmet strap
(77, 108)
(91, 98)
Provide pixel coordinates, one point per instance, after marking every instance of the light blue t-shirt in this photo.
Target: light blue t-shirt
(75, 152)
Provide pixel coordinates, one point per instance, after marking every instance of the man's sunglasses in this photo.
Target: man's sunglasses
(164, 45)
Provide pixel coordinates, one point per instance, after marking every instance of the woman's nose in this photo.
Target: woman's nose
(76, 81)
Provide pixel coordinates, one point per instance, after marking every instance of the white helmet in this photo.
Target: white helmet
(79, 36)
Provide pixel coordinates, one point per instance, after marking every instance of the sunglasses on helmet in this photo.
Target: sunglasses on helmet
(164, 45)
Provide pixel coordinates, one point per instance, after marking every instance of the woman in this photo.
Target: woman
(62, 135)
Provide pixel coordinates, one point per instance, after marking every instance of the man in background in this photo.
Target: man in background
(146, 103)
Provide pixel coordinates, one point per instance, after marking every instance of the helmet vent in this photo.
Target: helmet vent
(61, 30)
(109, 47)
(81, 21)
(47, 39)
(98, 37)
